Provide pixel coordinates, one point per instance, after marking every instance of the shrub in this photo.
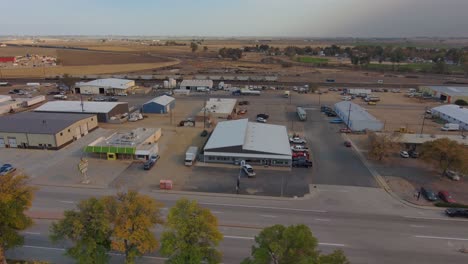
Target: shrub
(461, 102)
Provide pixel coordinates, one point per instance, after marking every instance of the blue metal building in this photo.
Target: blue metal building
(159, 105)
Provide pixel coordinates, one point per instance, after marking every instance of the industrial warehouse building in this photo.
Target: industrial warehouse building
(140, 144)
(159, 105)
(197, 85)
(44, 130)
(104, 86)
(452, 114)
(237, 140)
(447, 94)
(219, 108)
(105, 111)
(356, 117)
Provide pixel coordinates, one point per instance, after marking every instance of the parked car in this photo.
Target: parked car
(299, 148)
(454, 212)
(304, 163)
(264, 116)
(122, 94)
(150, 162)
(6, 168)
(371, 103)
(248, 170)
(413, 154)
(204, 133)
(99, 99)
(297, 140)
(404, 154)
(242, 112)
(428, 194)
(261, 120)
(446, 197)
(325, 108)
(347, 144)
(336, 121)
(345, 130)
(300, 155)
(112, 99)
(452, 175)
(331, 114)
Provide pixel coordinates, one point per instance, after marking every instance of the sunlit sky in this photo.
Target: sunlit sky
(282, 18)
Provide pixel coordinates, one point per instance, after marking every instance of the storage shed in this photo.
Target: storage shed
(104, 86)
(356, 117)
(104, 110)
(197, 85)
(159, 105)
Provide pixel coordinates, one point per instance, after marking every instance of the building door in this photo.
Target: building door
(77, 133)
(77, 90)
(12, 142)
(84, 129)
(101, 90)
(2, 142)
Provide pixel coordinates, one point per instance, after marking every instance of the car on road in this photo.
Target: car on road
(413, 154)
(99, 99)
(325, 108)
(446, 197)
(428, 194)
(150, 162)
(264, 116)
(330, 80)
(331, 114)
(347, 144)
(452, 175)
(302, 163)
(248, 170)
(297, 140)
(454, 212)
(122, 94)
(261, 120)
(299, 148)
(336, 121)
(244, 103)
(6, 168)
(345, 130)
(404, 154)
(372, 103)
(112, 99)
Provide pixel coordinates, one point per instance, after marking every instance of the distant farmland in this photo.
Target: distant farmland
(314, 60)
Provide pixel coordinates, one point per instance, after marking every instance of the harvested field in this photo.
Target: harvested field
(81, 58)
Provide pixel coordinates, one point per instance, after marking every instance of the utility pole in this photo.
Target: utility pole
(349, 116)
(422, 126)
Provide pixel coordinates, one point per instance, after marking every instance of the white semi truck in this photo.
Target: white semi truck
(191, 155)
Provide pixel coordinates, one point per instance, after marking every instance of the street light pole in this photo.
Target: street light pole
(422, 126)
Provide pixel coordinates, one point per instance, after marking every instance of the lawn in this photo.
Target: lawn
(307, 59)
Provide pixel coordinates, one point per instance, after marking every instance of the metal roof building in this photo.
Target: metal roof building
(104, 110)
(44, 130)
(448, 94)
(233, 141)
(103, 86)
(159, 105)
(453, 114)
(356, 117)
(196, 84)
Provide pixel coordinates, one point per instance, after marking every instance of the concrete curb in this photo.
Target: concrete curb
(382, 183)
(77, 186)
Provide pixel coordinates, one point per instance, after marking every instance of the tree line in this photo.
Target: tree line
(125, 223)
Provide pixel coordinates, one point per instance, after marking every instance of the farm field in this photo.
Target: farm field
(314, 60)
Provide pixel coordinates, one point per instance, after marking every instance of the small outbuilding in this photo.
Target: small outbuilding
(105, 111)
(356, 117)
(197, 85)
(104, 86)
(159, 105)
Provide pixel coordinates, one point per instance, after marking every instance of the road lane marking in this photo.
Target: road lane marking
(268, 216)
(321, 244)
(239, 237)
(31, 233)
(332, 244)
(68, 202)
(443, 238)
(47, 248)
(436, 218)
(322, 220)
(417, 226)
(217, 212)
(265, 207)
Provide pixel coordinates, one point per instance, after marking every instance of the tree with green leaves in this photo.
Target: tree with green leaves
(89, 229)
(132, 217)
(192, 235)
(446, 154)
(382, 145)
(193, 46)
(69, 81)
(461, 102)
(294, 244)
(15, 198)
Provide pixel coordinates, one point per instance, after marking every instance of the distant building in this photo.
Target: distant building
(218, 108)
(237, 140)
(453, 114)
(447, 94)
(197, 85)
(7, 59)
(104, 86)
(356, 117)
(105, 111)
(140, 144)
(159, 105)
(44, 130)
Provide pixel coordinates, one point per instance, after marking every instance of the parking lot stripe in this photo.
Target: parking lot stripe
(266, 207)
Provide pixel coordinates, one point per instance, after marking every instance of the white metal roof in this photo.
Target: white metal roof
(109, 83)
(197, 83)
(357, 112)
(271, 139)
(451, 90)
(220, 105)
(454, 111)
(162, 100)
(228, 134)
(4, 98)
(75, 106)
(248, 155)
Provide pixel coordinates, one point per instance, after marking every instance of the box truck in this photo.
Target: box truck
(191, 155)
(450, 127)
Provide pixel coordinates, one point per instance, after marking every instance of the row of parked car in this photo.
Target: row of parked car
(6, 169)
(300, 152)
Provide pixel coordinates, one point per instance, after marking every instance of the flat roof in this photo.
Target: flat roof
(134, 138)
(267, 138)
(450, 90)
(197, 83)
(357, 112)
(4, 98)
(108, 83)
(75, 107)
(162, 100)
(39, 123)
(456, 112)
(220, 105)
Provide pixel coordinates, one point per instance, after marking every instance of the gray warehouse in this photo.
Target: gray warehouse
(237, 140)
(356, 117)
(105, 111)
(159, 105)
(44, 130)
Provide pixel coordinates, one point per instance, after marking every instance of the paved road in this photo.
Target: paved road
(377, 230)
(335, 164)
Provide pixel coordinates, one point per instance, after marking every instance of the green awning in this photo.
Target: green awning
(110, 149)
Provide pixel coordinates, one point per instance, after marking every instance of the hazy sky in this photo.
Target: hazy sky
(296, 18)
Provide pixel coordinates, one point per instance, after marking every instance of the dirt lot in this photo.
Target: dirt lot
(81, 58)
